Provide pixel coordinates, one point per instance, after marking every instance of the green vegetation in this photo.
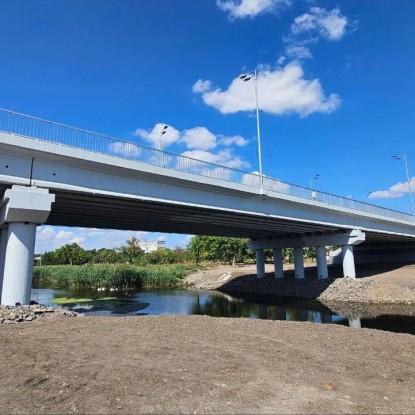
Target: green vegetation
(131, 253)
(117, 276)
(220, 249)
(128, 267)
(66, 300)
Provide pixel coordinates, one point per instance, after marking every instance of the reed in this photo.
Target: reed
(108, 276)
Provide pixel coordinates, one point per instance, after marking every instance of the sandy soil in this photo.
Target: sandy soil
(196, 364)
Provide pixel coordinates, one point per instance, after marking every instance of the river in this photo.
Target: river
(215, 304)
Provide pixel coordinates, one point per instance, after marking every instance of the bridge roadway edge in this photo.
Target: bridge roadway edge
(70, 171)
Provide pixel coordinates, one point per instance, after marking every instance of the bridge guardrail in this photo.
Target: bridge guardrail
(39, 129)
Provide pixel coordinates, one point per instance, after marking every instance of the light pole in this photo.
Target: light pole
(246, 77)
(312, 180)
(163, 131)
(403, 157)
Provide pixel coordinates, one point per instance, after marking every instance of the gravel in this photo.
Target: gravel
(32, 312)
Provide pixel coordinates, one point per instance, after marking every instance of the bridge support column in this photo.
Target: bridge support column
(322, 270)
(278, 263)
(3, 245)
(18, 266)
(349, 270)
(355, 323)
(22, 209)
(260, 263)
(299, 262)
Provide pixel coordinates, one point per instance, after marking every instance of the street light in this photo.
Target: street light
(247, 77)
(163, 131)
(312, 180)
(403, 157)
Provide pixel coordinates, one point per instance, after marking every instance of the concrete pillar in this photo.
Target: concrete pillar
(3, 246)
(298, 262)
(355, 323)
(22, 208)
(260, 263)
(278, 263)
(322, 270)
(17, 282)
(349, 270)
(263, 311)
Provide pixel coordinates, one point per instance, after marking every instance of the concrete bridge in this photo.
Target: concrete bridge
(59, 175)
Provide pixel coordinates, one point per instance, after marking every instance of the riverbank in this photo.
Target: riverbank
(375, 285)
(197, 364)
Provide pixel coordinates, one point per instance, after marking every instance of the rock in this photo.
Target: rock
(30, 318)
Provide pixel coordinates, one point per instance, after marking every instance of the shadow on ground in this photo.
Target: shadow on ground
(310, 287)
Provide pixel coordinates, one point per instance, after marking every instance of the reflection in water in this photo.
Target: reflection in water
(216, 304)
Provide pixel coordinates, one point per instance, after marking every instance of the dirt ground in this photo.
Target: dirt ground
(198, 364)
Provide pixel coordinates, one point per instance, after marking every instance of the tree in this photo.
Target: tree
(70, 254)
(132, 250)
(107, 256)
(216, 248)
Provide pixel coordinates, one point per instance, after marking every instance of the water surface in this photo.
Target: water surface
(216, 304)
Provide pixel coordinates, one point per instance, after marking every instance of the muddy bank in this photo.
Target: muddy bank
(376, 285)
(196, 364)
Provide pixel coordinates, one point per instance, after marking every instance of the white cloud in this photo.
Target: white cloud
(395, 191)
(240, 9)
(328, 24)
(44, 233)
(155, 136)
(64, 235)
(199, 138)
(281, 91)
(201, 86)
(125, 149)
(49, 238)
(298, 52)
(77, 240)
(238, 140)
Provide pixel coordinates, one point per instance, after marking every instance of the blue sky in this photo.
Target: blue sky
(336, 86)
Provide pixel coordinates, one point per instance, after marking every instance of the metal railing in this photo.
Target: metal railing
(39, 129)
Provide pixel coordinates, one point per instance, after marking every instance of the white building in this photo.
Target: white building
(151, 246)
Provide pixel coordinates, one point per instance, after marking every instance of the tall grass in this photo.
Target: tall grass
(117, 276)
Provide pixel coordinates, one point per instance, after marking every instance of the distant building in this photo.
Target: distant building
(151, 246)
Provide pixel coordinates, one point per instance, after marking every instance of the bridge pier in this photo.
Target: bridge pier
(299, 262)
(322, 270)
(3, 245)
(355, 323)
(260, 263)
(22, 209)
(346, 239)
(349, 269)
(278, 263)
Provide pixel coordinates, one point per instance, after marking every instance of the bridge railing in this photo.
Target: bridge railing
(39, 129)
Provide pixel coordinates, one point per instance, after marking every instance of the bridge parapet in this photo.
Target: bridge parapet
(44, 130)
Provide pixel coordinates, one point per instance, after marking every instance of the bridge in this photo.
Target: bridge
(55, 174)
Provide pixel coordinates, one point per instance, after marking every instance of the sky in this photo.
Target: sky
(336, 87)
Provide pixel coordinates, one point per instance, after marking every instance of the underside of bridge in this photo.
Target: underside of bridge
(75, 209)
